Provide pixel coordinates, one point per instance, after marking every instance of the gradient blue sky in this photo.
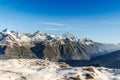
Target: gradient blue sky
(98, 20)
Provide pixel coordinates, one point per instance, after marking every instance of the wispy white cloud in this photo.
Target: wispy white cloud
(111, 22)
(55, 26)
(53, 29)
(52, 26)
(60, 29)
(53, 23)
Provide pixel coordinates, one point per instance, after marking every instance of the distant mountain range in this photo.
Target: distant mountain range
(111, 60)
(41, 45)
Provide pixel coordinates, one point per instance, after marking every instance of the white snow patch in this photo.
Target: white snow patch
(37, 69)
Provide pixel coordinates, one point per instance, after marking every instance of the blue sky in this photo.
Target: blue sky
(98, 20)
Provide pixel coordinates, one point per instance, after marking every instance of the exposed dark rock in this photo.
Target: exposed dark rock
(16, 51)
(89, 76)
(57, 51)
(95, 65)
(89, 69)
(75, 78)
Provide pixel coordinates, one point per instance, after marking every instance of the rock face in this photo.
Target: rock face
(58, 51)
(41, 45)
(68, 51)
(16, 51)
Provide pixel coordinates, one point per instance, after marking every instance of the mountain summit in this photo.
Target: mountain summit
(41, 45)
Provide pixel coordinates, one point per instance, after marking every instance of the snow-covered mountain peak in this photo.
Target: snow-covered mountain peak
(12, 36)
(38, 33)
(70, 36)
(6, 31)
(86, 41)
(40, 36)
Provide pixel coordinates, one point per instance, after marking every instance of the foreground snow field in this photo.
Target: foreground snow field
(37, 69)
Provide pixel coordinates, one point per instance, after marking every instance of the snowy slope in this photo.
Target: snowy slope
(13, 36)
(34, 69)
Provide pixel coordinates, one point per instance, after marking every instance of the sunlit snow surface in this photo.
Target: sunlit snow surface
(36, 69)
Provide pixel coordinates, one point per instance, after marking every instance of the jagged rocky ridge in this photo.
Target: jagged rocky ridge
(41, 45)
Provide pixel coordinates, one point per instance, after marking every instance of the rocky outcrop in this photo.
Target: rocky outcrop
(58, 51)
(67, 51)
(16, 51)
